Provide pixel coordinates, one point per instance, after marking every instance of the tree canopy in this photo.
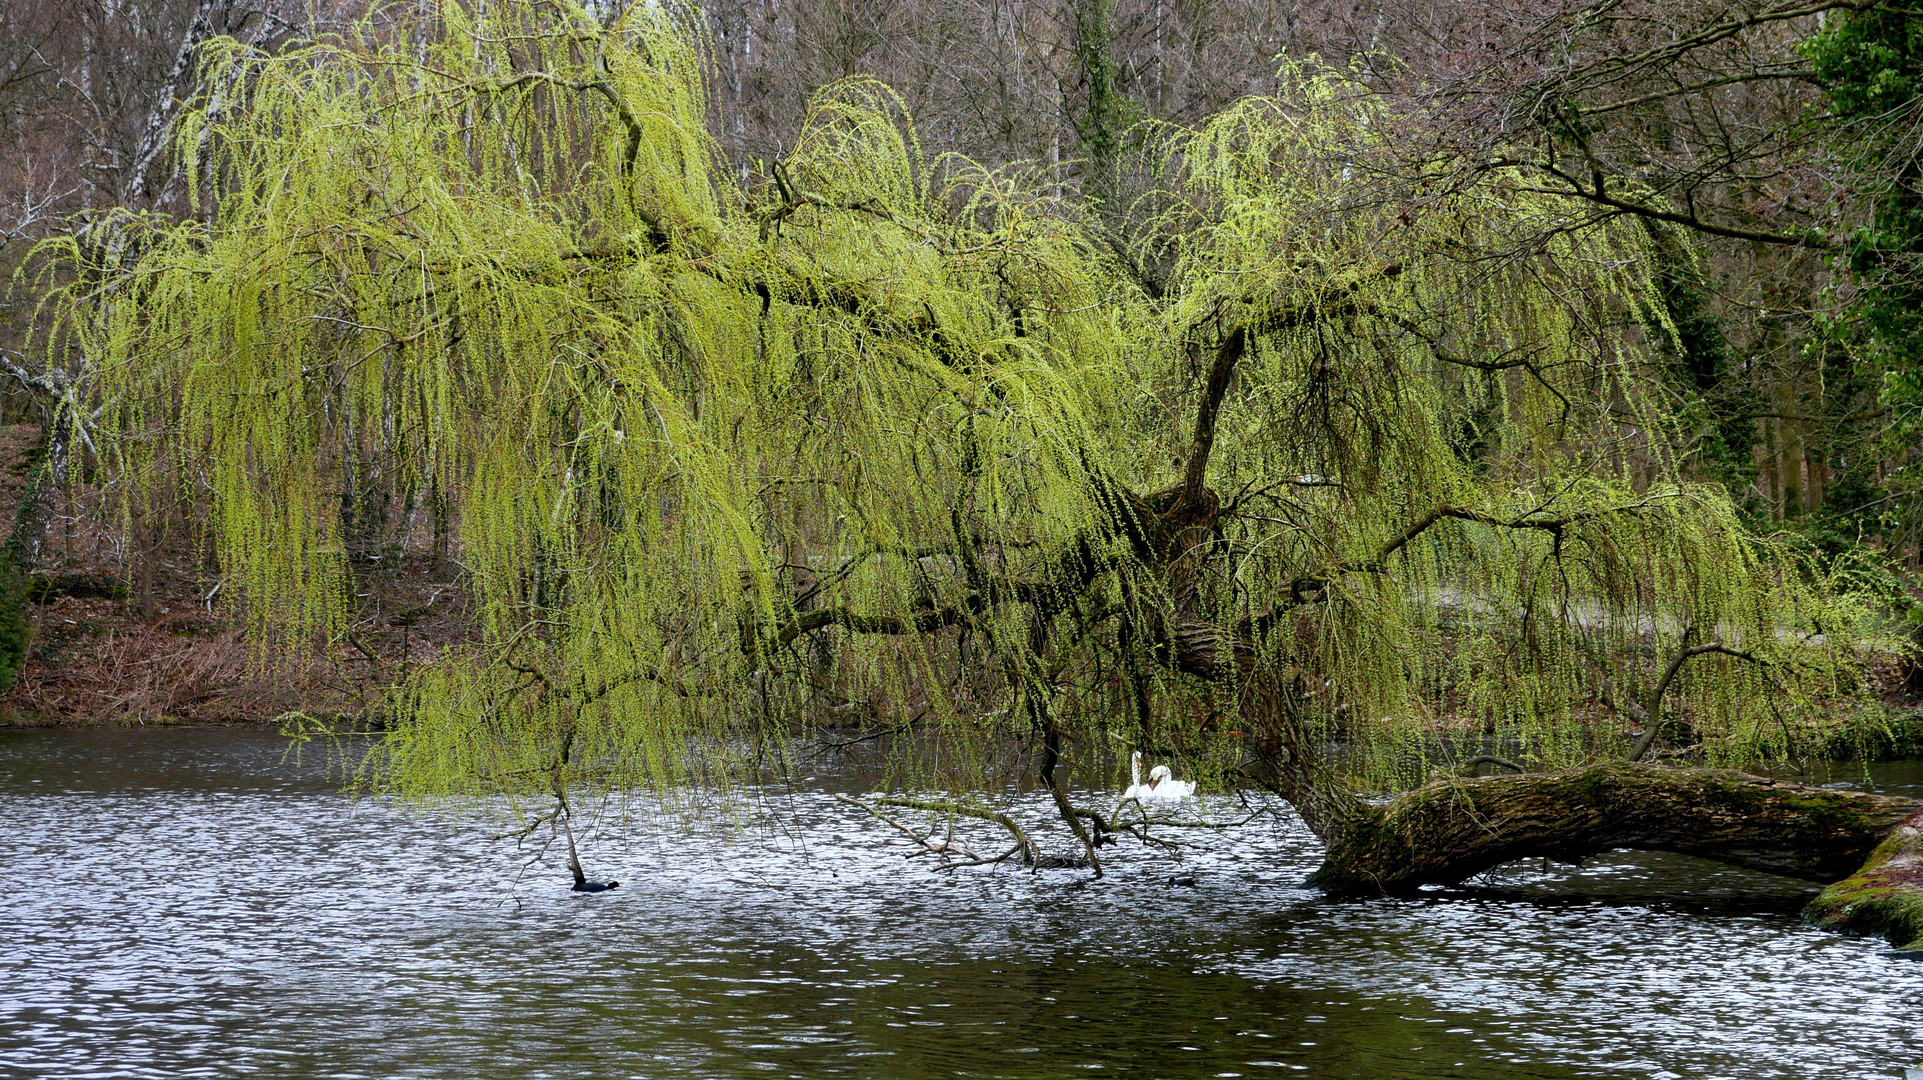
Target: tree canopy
(869, 435)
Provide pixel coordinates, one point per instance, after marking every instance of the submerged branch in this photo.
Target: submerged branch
(1030, 853)
(943, 849)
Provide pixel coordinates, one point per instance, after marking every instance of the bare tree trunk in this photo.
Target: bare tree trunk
(1818, 464)
(1792, 451)
(439, 506)
(1773, 465)
(21, 553)
(33, 519)
(136, 186)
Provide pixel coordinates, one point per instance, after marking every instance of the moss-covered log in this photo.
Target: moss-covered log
(1885, 896)
(1453, 828)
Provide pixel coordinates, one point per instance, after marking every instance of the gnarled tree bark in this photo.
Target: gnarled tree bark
(1453, 828)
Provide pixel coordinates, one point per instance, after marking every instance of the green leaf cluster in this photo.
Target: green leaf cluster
(1870, 62)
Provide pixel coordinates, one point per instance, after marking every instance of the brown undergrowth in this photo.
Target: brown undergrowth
(97, 658)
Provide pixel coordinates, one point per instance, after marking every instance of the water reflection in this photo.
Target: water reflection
(186, 903)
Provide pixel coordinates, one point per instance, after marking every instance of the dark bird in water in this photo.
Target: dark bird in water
(1182, 880)
(582, 884)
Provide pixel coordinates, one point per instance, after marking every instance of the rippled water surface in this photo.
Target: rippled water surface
(189, 903)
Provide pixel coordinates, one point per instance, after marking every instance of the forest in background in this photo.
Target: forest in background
(1724, 112)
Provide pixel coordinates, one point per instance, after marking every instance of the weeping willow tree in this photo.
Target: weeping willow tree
(873, 433)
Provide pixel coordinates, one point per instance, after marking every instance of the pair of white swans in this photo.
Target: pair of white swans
(1161, 782)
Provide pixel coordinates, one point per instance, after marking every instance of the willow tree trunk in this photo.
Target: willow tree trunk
(1453, 828)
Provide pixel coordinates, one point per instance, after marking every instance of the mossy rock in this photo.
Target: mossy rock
(1885, 897)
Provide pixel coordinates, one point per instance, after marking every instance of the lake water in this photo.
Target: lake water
(183, 903)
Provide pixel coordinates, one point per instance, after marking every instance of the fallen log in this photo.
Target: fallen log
(1455, 827)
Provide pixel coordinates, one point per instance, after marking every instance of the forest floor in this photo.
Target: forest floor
(98, 658)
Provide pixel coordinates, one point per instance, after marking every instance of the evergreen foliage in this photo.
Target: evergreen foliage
(886, 436)
(1869, 62)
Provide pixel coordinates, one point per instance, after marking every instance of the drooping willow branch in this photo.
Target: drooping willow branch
(1309, 588)
(1652, 709)
(1325, 303)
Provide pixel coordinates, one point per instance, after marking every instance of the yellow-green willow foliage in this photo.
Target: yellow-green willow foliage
(879, 437)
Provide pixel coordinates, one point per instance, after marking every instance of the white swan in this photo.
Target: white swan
(1161, 783)
(1136, 789)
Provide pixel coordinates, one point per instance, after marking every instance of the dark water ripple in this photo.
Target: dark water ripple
(188, 904)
